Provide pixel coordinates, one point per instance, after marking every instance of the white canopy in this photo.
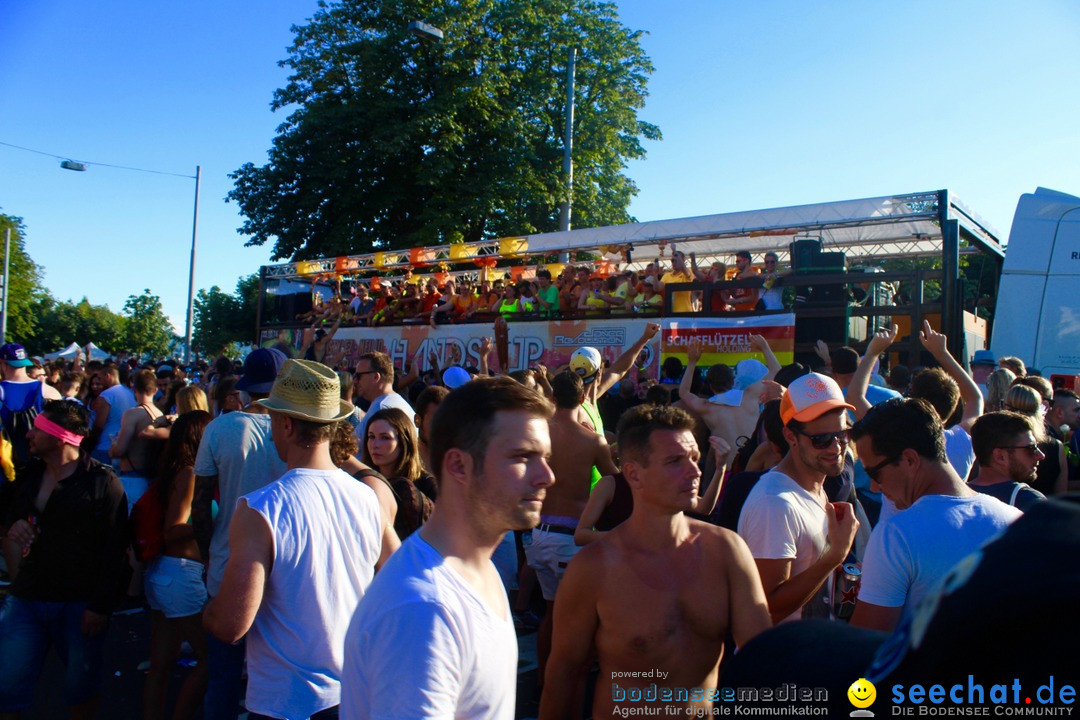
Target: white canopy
(67, 353)
(93, 352)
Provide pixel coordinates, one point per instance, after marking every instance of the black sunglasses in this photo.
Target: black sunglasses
(1031, 449)
(873, 470)
(364, 372)
(820, 441)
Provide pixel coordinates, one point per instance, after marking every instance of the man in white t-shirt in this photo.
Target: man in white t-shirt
(797, 537)
(433, 637)
(374, 381)
(902, 444)
(302, 551)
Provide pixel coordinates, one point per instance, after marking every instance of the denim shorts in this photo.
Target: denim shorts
(175, 586)
(27, 629)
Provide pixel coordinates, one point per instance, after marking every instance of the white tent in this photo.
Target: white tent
(93, 352)
(67, 353)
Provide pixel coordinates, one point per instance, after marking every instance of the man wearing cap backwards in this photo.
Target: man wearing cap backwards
(902, 444)
(599, 381)
(641, 597)
(65, 547)
(19, 392)
(236, 456)
(433, 637)
(302, 551)
(797, 537)
(732, 411)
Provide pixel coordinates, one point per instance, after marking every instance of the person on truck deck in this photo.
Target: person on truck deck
(680, 301)
(743, 298)
(593, 300)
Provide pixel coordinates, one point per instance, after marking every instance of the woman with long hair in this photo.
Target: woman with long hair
(391, 447)
(174, 580)
(1052, 475)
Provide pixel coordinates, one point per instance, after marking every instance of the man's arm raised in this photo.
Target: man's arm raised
(936, 344)
(626, 361)
(573, 637)
(860, 380)
(697, 405)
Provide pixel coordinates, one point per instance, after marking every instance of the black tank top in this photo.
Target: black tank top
(622, 504)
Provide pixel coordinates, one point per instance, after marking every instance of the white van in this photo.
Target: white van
(1037, 317)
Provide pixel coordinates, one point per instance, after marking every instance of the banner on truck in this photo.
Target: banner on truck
(552, 343)
(727, 340)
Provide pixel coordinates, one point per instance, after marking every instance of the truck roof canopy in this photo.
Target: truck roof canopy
(890, 226)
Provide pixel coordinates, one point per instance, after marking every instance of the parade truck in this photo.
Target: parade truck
(1038, 308)
(848, 268)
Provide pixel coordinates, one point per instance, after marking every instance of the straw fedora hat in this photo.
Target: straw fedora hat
(309, 391)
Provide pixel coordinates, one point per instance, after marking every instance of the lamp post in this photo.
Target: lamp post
(191, 270)
(197, 177)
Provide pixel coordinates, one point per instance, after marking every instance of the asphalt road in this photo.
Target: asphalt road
(128, 646)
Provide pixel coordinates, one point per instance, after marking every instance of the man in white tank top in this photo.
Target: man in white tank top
(433, 637)
(302, 552)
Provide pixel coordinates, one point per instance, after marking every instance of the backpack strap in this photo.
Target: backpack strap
(1015, 492)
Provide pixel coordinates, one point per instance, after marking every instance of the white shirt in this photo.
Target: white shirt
(781, 520)
(911, 552)
(389, 400)
(423, 644)
(327, 534)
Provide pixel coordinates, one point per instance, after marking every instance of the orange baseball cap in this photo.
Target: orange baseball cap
(811, 396)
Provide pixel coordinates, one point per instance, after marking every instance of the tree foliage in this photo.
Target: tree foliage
(397, 142)
(25, 277)
(61, 323)
(147, 330)
(222, 319)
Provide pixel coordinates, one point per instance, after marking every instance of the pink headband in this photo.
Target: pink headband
(48, 426)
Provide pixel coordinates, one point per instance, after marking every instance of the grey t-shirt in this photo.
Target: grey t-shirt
(238, 448)
(389, 400)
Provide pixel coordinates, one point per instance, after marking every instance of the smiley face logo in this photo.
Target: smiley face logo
(862, 693)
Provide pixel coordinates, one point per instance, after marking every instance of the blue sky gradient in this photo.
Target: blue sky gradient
(761, 104)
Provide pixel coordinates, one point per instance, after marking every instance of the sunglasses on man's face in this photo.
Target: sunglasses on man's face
(873, 470)
(1031, 449)
(821, 441)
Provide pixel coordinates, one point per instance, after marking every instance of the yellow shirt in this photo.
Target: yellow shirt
(680, 301)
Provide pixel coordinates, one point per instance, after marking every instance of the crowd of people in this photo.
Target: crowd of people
(576, 291)
(367, 542)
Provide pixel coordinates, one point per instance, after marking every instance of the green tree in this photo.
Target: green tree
(26, 289)
(222, 320)
(397, 142)
(147, 330)
(60, 323)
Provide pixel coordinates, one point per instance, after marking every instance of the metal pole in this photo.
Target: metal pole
(568, 143)
(7, 285)
(191, 269)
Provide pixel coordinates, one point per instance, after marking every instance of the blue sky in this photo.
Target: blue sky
(761, 104)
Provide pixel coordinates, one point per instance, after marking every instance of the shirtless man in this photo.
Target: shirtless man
(658, 593)
(733, 411)
(575, 449)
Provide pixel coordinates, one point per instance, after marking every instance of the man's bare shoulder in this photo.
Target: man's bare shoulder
(717, 539)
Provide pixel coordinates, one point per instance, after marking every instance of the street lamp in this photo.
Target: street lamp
(197, 177)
